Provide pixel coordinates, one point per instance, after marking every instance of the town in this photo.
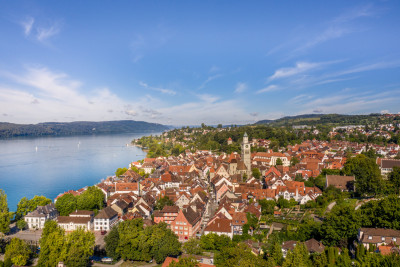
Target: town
(332, 198)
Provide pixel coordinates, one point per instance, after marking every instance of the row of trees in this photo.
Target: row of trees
(90, 199)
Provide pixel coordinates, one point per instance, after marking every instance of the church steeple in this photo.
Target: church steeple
(246, 149)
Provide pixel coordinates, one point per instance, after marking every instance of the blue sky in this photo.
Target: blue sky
(188, 62)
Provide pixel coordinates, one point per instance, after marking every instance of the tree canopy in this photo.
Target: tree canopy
(4, 213)
(131, 241)
(26, 205)
(366, 172)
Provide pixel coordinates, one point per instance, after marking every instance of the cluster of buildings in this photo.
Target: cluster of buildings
(215, 193)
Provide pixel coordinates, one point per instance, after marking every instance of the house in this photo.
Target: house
(238, 220)
(37, 218)
(377, 236)
(121, 207)
(288, 245)
(78, 219)
(106, 219)
(386, 165)
(220, 226)
(186, 224)
(313, 246)
(344, 183)
(167, 214)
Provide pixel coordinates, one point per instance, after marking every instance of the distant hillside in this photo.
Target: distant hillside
(335, 119)
(8, 130)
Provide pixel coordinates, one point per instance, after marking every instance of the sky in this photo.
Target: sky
(193, 62)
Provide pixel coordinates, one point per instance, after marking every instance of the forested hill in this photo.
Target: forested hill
(333, 119)
(8, 130)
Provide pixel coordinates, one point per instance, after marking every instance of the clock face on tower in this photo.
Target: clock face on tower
(247, 146)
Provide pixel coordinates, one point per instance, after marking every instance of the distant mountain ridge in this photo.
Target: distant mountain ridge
(8, 130)
(312, 119)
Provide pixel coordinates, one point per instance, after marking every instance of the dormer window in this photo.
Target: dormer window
(383, 239)
(370, 237)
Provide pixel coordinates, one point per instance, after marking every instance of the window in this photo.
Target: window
(176, 227)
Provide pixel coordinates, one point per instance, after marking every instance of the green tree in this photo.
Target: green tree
(283, 203)
(66, 204)
(384, 213)
(18, 251)
(366, 172)
(267, 206)
(160, 243)
(162, 202)
(256, 173)
(294, 161)
(275, 253)
(26, 205)
(51, 244)
(120, 171)
(21, 224)
(4, 213)
(341, 223)
(299, 257)
(91, 199)
(128, 245)
(394, 178)
(279, 161)
(238, 256)
(78, 248)
(111, 241)
(193, 246)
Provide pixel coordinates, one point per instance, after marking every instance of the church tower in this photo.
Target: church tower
(246, 152)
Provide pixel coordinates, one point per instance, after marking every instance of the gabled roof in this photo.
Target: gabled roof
(106, 213)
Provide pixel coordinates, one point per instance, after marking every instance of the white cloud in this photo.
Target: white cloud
(209, 79)
(300, 67)
(39, 94)
(338, 27)
(269, 88)
(240, 87)
(162, 90)
(27, 25)
(44, 33)
(357, 103)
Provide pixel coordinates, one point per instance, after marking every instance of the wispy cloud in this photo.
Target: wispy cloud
(300, 67)
(240, 87)
(38, 30)
(209, 79)
(338, 27)
(208, 98)
(269, 88)
(369, 67)
(44, 33)
(347, 103)
(162, 90)
(27, 25)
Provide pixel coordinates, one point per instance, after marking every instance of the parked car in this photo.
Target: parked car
(107, 259)
(103, 232)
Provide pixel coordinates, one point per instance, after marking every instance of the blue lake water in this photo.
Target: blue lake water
(61, 163)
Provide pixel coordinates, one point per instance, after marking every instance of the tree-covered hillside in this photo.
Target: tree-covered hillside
(8, 130)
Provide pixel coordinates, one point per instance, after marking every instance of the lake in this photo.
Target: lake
(51, 165)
